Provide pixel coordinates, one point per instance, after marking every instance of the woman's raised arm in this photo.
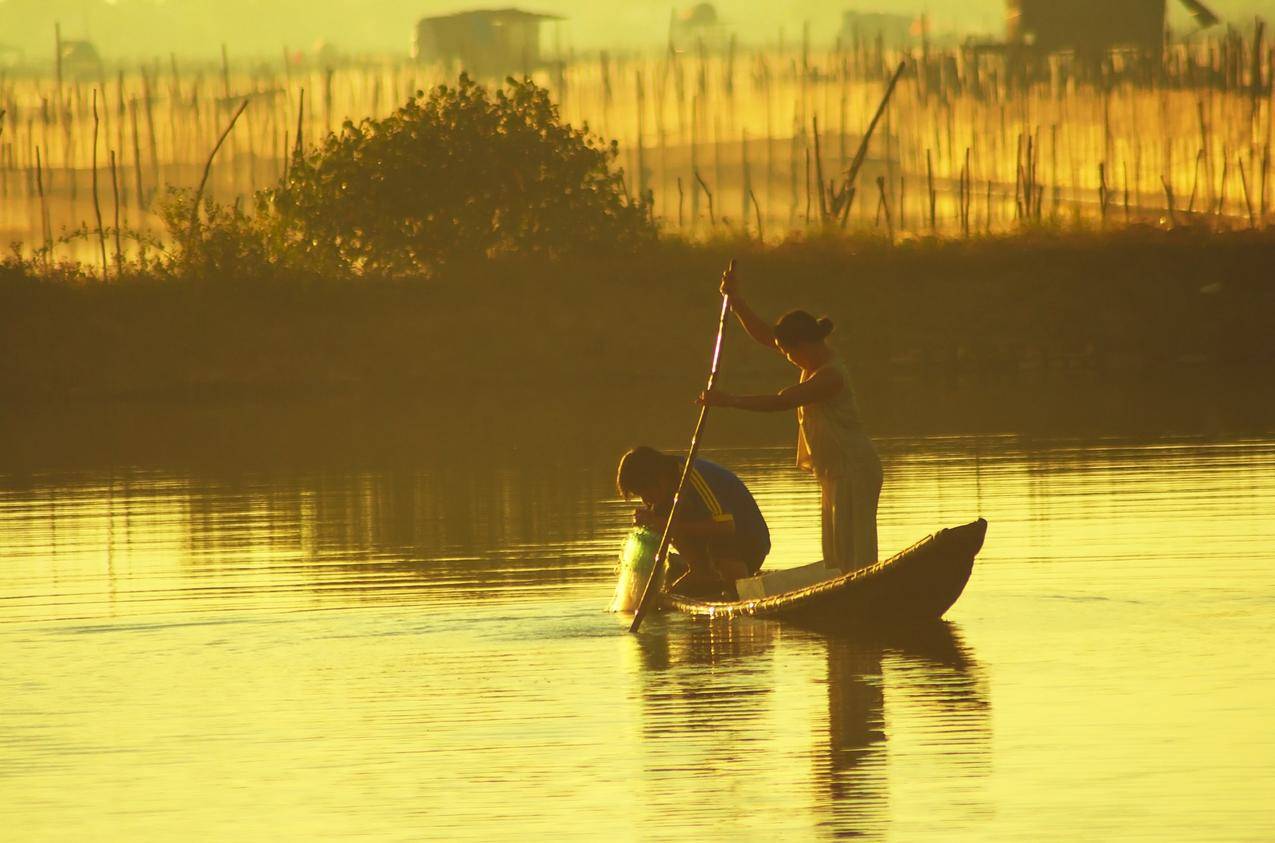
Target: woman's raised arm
(757, 328)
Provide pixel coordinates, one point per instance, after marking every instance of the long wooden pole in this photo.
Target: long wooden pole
(653, 583)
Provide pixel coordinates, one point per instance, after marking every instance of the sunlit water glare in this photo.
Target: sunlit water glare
(422, 652)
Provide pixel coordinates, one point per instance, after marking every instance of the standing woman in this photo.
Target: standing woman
(831, 442)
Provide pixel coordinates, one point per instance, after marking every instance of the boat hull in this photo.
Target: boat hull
(917, 584)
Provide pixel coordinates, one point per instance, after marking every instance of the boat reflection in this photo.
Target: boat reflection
(732, 701)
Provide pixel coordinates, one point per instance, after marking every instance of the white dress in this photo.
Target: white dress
(832, 445)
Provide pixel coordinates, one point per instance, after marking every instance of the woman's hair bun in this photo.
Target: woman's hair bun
(798, 327)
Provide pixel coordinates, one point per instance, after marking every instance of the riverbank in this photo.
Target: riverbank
(1134, 301)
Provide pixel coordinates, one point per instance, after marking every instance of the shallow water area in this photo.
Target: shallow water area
(420, 650)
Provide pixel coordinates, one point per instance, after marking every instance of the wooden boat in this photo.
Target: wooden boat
(920, 583)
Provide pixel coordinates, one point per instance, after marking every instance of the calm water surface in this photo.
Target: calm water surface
(420, 651)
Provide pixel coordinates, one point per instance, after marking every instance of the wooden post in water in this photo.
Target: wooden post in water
(153, 148)
(823, 203)
(1248, 200)
(680, 198)
(807, 187)
(299, 149)
(1195, 182)
(57, 60)
(1220, 208)
(1053, 163)
(1125, 168)
(1266, 166)
(115, 195)
(929, 177)
(1103, 192)
(640, 91)
(97, 206)
(1018, 180)
(712, 217)
(45, 228)
(761, 231)
(885, 206)
(225, 72)
(137, 156)
(987, 210)
(203, 181)
(1168, 201)
(903, 206)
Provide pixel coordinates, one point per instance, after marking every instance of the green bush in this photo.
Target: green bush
(463, 172)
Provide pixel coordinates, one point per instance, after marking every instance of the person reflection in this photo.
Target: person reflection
(852, 766)
(935, 677)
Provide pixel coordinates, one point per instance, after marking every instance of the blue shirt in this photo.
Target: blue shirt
(716, 493)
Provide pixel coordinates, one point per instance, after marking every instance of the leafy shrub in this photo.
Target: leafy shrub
(225, 241)
(462, 172)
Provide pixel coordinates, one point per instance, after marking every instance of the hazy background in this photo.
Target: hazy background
(197, 28)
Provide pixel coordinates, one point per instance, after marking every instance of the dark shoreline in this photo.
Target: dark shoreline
(1133, 303)
(520, 424)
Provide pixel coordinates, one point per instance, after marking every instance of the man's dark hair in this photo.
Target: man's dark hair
(640, 469)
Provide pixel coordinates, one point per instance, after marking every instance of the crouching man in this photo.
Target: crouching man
(720, 534)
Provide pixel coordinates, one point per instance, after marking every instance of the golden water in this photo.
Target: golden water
(420, 651)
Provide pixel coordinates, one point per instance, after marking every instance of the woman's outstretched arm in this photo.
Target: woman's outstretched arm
(757, 328)
(821, 387)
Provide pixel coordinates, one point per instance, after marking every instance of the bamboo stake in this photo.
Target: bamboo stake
(823, 202)
(1195, 183)
(57, 58)
(1266, 166)
(97, 206)
(1125, 167)
(1168, 201)
(45, 228)
(1248, 200)
(199, 193)
(1220, 209)
(903, 207)
(807, 187)
(885, 205)
(987, 215)
(966, 184)
(137, 156)
(680, 197)
(712, 218)
(300, 147)
(147, 97)
(115, 195)
(852, 172)
(761, 234)
(929, 177)
(1103, 193)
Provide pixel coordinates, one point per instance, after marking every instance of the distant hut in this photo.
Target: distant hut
(893, 30)
(78, 57)
(699, 24)
(486, 42)
(1091, 28)
(10, 56)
